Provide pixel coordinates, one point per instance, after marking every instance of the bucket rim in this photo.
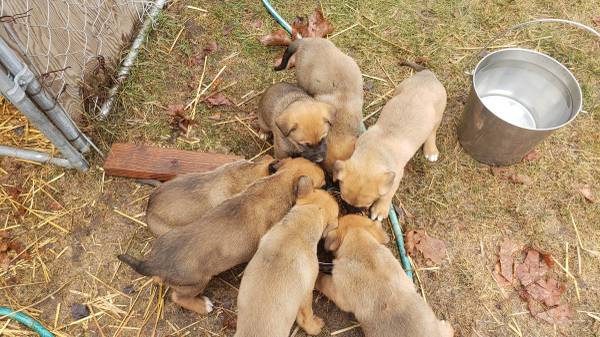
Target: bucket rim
(568, 72)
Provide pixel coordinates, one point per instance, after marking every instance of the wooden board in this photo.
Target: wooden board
(146, 162)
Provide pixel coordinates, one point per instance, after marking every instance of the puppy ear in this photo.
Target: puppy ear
(379, 233)
(386, 182)
(303, 187)
(276, 165)
(333, 240)
(339, 170)
(285, 124)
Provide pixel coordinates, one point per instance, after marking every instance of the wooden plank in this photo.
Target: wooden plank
(146, 162)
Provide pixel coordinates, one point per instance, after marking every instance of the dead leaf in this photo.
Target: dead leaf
(434, 250)
(521, 179)
(506, 256)
(227, 30)
(55, 206)
(422, 60)
(215, 117)
(560, 315)
(546, 291)
(3, 247)
(210, 47)
(501, 280)
(277, 38)
(180, 120)
(4, 261)
(316, 25)
(588, 194)
(508, 173)
(257, 24)
(198, 58)
(533, 155)
(218, 99)
(596, 21)
(532, 269)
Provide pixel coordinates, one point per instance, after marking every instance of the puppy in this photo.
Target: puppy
(368, 281)
(188, 197)
(332, 77)
(278, 282)
(187, 257)
(410, 119)
(299, 123)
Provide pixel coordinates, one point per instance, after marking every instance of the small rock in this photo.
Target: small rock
(79, 311)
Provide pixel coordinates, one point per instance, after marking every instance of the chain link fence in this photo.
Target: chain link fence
(59, 58)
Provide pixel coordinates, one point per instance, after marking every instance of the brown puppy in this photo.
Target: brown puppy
(278, 283)
(368, 281)
(188, 197)
(188, 257)
(332, 77)
(299, 123)
(410, 119)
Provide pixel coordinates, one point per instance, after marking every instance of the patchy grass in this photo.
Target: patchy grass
(456, 199)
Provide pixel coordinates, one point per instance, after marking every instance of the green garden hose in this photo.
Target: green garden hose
(25, 320)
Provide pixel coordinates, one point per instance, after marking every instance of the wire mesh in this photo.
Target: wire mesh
(72, 45)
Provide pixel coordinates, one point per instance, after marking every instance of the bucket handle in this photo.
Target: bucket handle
(527, 23)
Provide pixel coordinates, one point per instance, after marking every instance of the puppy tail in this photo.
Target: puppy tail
(291, 49)
(416, 67)
(135, 264)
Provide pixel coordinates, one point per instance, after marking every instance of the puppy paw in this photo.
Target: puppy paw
(379, 211)
(208, 304)
(433, 157)
(314, 326)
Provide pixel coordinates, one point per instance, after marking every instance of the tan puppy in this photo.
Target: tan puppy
(410, 119)
(299, 123)
(332, 77)
(368, 281)
(278, 283)
(188, 257)
(188, 197)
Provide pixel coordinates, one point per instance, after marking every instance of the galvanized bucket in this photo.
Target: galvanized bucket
(518, 97)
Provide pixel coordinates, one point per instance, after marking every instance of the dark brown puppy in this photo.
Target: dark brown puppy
(188, 257)
(299, 123)
(330, 76)
(278, 283)
(188, 197)
(368, 281)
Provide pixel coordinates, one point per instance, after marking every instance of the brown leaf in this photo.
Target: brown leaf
(533, 155)
(4, 234)
(506, 256)
(218, 99)
(3, 247)
(197, 59)
(227, 30)
(546, 291)
(501, 280)
(210, 47)
(587, 193)
(257, 24)
(560, 315)
(521, 179)
(180, 120)
(55, 206)
(532, 269)
(277, 38)
(422, 60)
(215, 117)
(434, 250)
(318, 25)
(508, 173)
(4, 261)
(596, 21)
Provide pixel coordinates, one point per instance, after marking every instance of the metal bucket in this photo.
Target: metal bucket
(518, 97)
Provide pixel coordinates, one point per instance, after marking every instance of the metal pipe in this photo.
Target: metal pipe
(15, 94)
(48, 105)
(130, 59)
(36, 156)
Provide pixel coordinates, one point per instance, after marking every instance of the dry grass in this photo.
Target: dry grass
(71, 249)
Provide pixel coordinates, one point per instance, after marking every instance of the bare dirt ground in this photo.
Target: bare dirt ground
(69, 226)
